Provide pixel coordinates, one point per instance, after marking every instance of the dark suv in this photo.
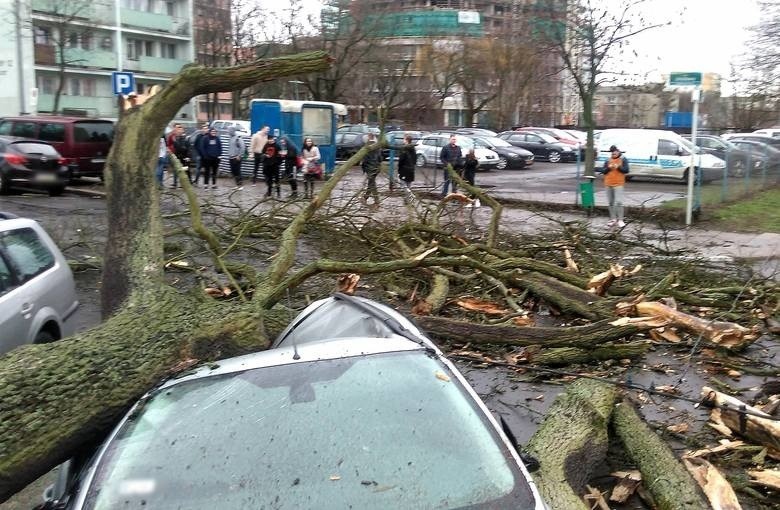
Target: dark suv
(84, 143)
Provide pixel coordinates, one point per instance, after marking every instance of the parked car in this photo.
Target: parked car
(242, 127)
(542, 146)
(357, 128)
(352, 407)
(347, 144)
(31, 164)
(751, 137)
(37, 291)
(773, 132)
(84, 143)
(657, 153)
(559, 134)
(475, 132)
(430, 146)
(737, 160)
(580, 136)
(395, 139)
(509, 156)
(768, 155)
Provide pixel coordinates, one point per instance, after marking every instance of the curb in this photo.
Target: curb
(86, 192)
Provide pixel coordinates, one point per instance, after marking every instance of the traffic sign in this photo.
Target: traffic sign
(684, 79)
(123, 83)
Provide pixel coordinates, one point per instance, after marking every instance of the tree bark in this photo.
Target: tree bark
(571, 355)
(662, 474)
(571, 442)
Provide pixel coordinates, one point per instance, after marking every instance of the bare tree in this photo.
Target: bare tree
(587, 37)
(67, 28)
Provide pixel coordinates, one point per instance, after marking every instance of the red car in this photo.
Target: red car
(559, 134)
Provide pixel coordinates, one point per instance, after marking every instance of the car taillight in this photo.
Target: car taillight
(62, 161)
(15, 159)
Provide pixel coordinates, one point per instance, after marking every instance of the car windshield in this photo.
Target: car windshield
(544, 136)
(382, 431)
(688, 145)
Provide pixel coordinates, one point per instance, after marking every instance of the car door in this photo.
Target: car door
(535, 144)
(13, 325)
(670, 161)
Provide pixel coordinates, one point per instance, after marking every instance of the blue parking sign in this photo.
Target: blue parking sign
(123, 83)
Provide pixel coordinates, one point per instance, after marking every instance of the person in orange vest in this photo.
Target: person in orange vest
(615, 170)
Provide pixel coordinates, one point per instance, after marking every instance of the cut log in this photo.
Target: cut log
(564, 296)
(571, 442)
(718, 491)
(757, 426)
(577, 336)
(768, 478)
(725, 334)
(664, 476)
(570, 355)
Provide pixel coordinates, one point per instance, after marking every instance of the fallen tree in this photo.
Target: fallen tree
(57, 397)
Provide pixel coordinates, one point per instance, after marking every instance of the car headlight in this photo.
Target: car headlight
(718, 164)
(567, 149)
(515, 156)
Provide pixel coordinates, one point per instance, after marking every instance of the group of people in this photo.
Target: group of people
(277, 157)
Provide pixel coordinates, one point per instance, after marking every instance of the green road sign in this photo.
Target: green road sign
(683, 79)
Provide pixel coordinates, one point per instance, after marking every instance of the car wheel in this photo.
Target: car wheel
(420, 160)
(55, 192)
(554, 157)
(502, 163)
(44, 337)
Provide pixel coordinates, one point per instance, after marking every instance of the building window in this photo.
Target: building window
(148, 48)
(134, 48)
(43, 35)
(82, 87)
(170, 8)
(72, 40)
(47, 84)
(75, 87)
(168, 50)
(611, 99)
(86, 42)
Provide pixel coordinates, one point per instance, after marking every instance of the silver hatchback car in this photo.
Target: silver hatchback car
(353, 407)
(37, 291)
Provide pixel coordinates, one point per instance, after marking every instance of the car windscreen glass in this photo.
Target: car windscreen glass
(547, 138)
(26, 252)
(87, 131)
(498, 142)
(36, 148)
(384, 431)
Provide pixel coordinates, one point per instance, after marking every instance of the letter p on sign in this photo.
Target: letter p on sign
(123, 83)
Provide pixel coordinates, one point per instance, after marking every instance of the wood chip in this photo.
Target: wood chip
(768, 478)
(482, 306)
(718, 491)
(629, 481)
(596, 497)
(680, 428)
(442, 376)
(724, 446)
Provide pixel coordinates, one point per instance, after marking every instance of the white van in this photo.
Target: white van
(657, 153)
(773, 132)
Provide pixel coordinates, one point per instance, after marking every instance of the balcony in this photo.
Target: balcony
(155, 22)
(45, 55)
(99, 106)
(155, 65)
(97, 11)
(76, 57)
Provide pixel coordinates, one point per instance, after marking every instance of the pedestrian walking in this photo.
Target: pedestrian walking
(236, 149)
(180, 147)
(256, 145)
(451, 154)
(196, 154)
(289, 153)
(615, 170)
(470, 166)
(272, 160)
(211, 148)
(162, 160)
(371, 164)
(407, 159)
(312, 169)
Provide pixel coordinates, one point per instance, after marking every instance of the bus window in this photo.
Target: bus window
(317, 124)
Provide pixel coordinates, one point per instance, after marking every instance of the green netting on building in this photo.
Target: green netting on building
(421, 24)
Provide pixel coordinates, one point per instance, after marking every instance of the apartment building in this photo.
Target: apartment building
(75, 46)
(412, 30)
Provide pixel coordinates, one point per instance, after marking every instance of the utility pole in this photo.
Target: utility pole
(19, 58)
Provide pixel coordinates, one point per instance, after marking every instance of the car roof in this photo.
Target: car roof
(14, 139)
(10, 221)
(56, 118)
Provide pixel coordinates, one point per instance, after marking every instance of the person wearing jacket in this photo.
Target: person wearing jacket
(211, 148)
(407, 159)
(311, 166)
(470, 165)
(371, 164)
(236, 148)
(256, 148)
(179, 146)
(162, 160)
(196, 148)
(289, 154)
(615, 170)
(451, 154)
(272, 160)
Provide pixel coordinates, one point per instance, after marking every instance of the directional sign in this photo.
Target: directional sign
(123, 83)
(684, 79)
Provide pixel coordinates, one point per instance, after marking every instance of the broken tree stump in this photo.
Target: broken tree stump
(571, 442)
(663, 475)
